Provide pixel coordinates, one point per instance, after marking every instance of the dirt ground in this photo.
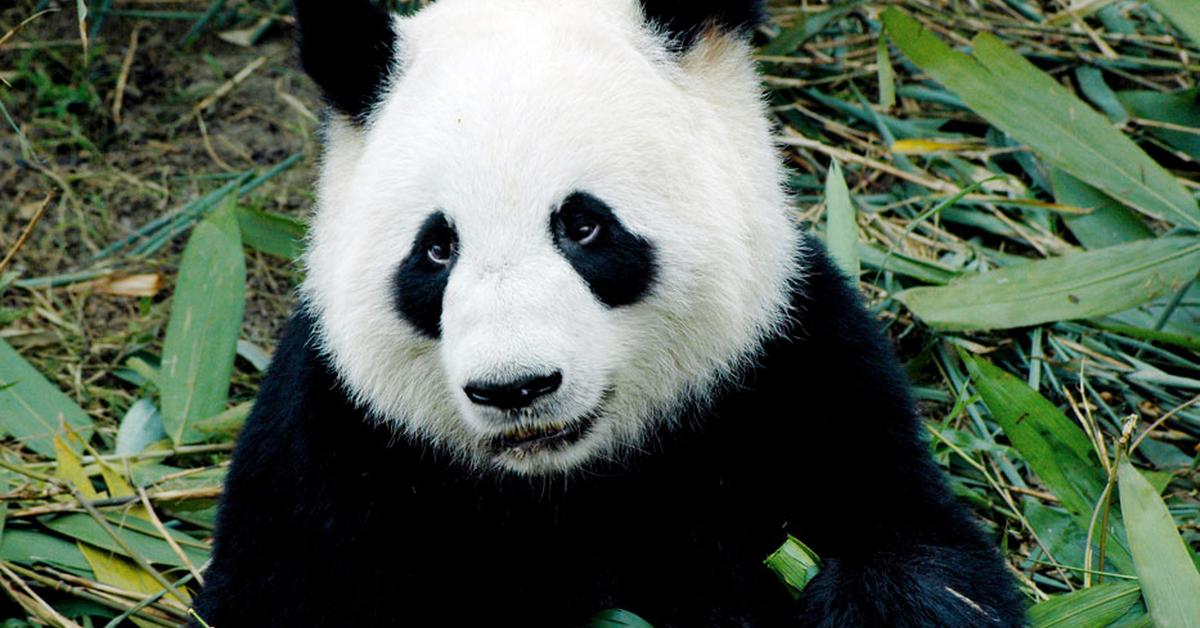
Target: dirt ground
(136, 134)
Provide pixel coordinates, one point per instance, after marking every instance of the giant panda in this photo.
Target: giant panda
(562, 349)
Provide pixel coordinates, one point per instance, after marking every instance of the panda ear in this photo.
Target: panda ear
(348, 49)
(685, 20)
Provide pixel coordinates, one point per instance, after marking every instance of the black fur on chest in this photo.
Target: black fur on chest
(330, 519)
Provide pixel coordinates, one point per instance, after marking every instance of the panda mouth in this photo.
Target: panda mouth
(527, 439)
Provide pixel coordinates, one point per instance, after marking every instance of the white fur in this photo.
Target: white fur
(502, 109)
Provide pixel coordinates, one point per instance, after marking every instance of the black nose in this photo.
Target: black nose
(515, 394)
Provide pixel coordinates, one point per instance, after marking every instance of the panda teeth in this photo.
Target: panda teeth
(523, 440)
(525, 433)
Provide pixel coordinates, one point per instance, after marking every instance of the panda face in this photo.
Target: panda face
(552, 232)
(525, 323)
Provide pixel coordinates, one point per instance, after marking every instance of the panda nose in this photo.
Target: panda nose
(516, 394)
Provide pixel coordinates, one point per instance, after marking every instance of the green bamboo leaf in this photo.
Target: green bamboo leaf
(226, 425)
(1095, 88)
(141, 426)
(1183, 318)
(1099, 605)
(30, 547)
(1164, 565)
(149, 472)
(795, 564)
(1018, 98)
(1052, 445)
(206, 319)
(1109, 223)
(1137, 617)
(31, 408)
(148, 544)
(842, 230)
(214, 8)
(270, 233)
(1184, 14)
(618, 619)
(1082, 285)
(5, 483)
(254, 354)
(915, 268)
(1060, 534)
(887, 75)
(790, 40)
(1179, 109)
(1179, 340)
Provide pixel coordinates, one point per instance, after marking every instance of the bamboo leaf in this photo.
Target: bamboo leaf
(206, 319)
(70, 468)
(790, 40)
(916, 268)
(270, 233)
(1109, 223)
(930, 146)
(887, 75)
(254, 354)
(107, 567)
(5, 484)
(1180, 110)
(31, 408)
(226, 424)
(1060, 534)
(617, 618)
(1184, 14)
(1099, 605)
(1133, 331)
(1052, 445)
(147, 543)
(1018, 98)
(81, 16)
(141, 426)
(1164, 565)
(842, 229)
(30, 547)
(795, 564)
(120, 572)
(1083, 285)
(1094, 88)
(111, 568)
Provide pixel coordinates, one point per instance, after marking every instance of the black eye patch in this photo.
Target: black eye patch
(420, 282)
(618, 266)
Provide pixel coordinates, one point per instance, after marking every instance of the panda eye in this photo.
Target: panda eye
(581, 228)
(442, 249)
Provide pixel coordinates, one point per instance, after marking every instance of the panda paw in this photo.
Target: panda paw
(938, 587)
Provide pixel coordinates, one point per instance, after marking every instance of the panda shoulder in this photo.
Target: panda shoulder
(296, 388)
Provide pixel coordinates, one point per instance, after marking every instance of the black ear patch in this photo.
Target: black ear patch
(685, 20)
(419, 285)
(618, 266)
(347, 47)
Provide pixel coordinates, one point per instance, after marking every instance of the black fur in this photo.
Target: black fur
(685, 20)
(419, 284)
(619, 266)
(328, 520)
(348, 48)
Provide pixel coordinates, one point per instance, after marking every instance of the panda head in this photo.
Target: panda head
(544, 227)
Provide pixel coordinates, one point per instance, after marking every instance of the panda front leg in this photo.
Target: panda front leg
(897, 547)
(906, 556)
(917, 587)
(905, 562)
